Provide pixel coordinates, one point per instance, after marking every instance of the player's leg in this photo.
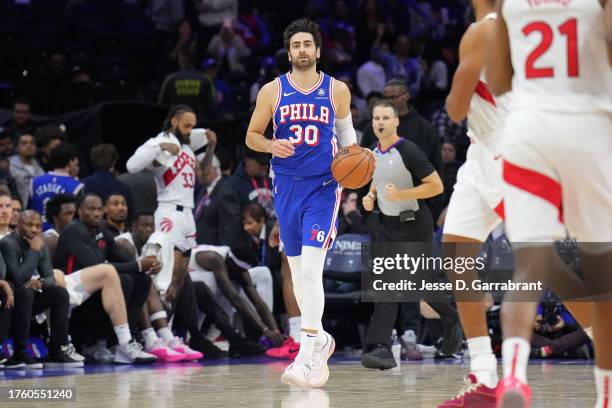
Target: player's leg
(587, 201)
(532, 199)
(319, 226)
(469, 221)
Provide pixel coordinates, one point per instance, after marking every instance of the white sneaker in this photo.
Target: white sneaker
(132, 353)
(72, 353)
(319, 371)
(297, 374)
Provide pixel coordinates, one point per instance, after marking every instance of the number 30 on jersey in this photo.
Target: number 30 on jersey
(308, 134)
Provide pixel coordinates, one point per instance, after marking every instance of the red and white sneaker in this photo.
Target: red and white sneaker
(473, 395)
(513, 393)
(319, 371)
(177, 345)
(165, 353)
(288, 350)
(297, 374)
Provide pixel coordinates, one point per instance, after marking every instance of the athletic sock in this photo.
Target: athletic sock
(483, 363)
(307, 344)
(603, 378)
(294, 327)
(166, 334)
(150, 338)
(123, 334)
(515, 356)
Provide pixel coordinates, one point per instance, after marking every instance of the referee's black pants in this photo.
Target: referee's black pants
(29, 303)
(388, 229)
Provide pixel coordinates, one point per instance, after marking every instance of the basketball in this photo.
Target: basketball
(353, 166)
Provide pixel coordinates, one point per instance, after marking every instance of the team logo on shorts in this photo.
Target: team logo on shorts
(316, 234)
(166, 225)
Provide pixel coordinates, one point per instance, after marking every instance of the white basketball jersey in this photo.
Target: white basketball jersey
(487, 113)
(175, 179)
(559, 55)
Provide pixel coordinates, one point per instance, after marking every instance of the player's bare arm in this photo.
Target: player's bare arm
(264, 109)
(207, 160)
(467, 75)
(430, 186)
(498, 64)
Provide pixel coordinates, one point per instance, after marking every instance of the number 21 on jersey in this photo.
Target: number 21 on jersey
(569, 30)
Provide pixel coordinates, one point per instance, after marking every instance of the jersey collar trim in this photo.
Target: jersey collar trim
(390, 147)
(297, 88)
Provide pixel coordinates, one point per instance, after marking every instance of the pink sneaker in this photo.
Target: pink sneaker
(473, 395)
(177, 345)
(512, 393)
(288, 350)
(165, 353)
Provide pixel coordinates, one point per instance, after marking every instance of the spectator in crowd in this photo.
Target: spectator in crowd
(103, 180)
(165, 16)
(435, 81)
(399, 189)
(64, 160)
(451, 167)
(142, 189)
(370, 17)
(228, 48)
(339, 53)
(350, 220)
(213, 13)
(7, 147)
(84, 243)
(258, 226)
(415, 128)
(28, 268)
(366, 121)
(79, 91)
(6, 180)
(17, 209)
(267, 72)
(449, 131)
(116, 214)
(21, 122)
(24, 166)
(59, 212)
(557, 334)
(400, 64)
(189, 86)
(356, 116)
(223, 91)
(6, 213)
(186, 40)
(47, 138)
(251, 181)
(356, 100)
(7, 301)
(371, 77)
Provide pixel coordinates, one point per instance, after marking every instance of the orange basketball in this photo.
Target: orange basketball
(353, 166)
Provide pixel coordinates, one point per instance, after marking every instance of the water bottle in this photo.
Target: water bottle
(396, 349)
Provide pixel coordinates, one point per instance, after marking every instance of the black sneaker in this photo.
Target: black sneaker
(380, 357)
(62, 359)
(21, 359)
(458, 356)
(243, 347)
(206, 347)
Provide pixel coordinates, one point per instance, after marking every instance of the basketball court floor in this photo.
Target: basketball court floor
(256, 383)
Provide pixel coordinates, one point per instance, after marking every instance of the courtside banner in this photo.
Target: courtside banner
(414, 271)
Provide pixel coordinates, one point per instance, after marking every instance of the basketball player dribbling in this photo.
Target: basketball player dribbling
(557, 169)
(476, 207)
(310, 113)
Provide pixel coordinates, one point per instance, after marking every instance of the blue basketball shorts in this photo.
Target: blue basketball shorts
(307, 211)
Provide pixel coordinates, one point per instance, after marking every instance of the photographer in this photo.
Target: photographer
(402, 180)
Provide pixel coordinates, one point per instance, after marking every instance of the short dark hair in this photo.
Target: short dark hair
(141, 213)
(62, 154)
(255, 211)
(22, 135)
(397, 82)
(21, 101)
(303, 25)
(175, 112)
(17, 198)
(114, 193)
(45, 134)
(386, 103)
(5, 193)
(53, 207)
(103, 156)
(81, 199)
(374, 94)
(6, 134)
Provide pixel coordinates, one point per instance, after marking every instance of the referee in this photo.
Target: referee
(402, 180)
